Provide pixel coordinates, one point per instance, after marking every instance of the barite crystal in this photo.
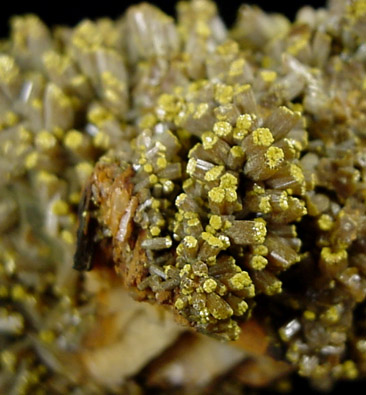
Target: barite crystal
(218, 174)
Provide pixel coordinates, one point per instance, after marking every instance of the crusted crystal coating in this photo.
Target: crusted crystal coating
(223, 176)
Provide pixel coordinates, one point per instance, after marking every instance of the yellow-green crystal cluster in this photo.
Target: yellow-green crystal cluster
(218, 177)
(245, 150)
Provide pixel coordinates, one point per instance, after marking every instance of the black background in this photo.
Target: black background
(59, 12)
(71, 12)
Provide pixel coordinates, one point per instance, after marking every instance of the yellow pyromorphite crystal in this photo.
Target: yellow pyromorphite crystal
(214, 173)
(31, 160)
(237, 67)
(155, 231)
(60, 207)
(260, 230)
(230, 195)
(356, 9)
(240, 281)
(67, 236)
(47, 336)
(268, 75)
(216, 222)
(263, 137)
(228, 181)
(331, 315)
(327, 255)
(190, 242)
(212, 240)
(350, 369)
(179, 304)
(217, 194)
(309, 315)
(325, 222)
(223, 93)
(264, 204)
(297, 173)
(148, 168)
(9, 71)
(73, 139)
(45, 140)
(237, 151)
(209, 140)
(209, 285)
(222, 129)
(274, 288)
(244, 122)
(201, 110)
(84, 170)
(258, 262)
(101, 140)
(274, 157)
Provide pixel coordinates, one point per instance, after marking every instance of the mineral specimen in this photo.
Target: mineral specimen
(220, 174)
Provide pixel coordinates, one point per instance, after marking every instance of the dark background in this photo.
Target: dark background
(71, 12)
(59, 12)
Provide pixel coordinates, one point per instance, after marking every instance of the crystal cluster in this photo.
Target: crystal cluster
(219, 173)
(216, 179)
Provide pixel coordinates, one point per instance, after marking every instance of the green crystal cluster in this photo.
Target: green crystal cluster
(222, 171)
(217, 178)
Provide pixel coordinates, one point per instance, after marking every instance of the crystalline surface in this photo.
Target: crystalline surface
(220, 175)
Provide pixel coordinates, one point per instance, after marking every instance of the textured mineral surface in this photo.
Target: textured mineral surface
(209, 186)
